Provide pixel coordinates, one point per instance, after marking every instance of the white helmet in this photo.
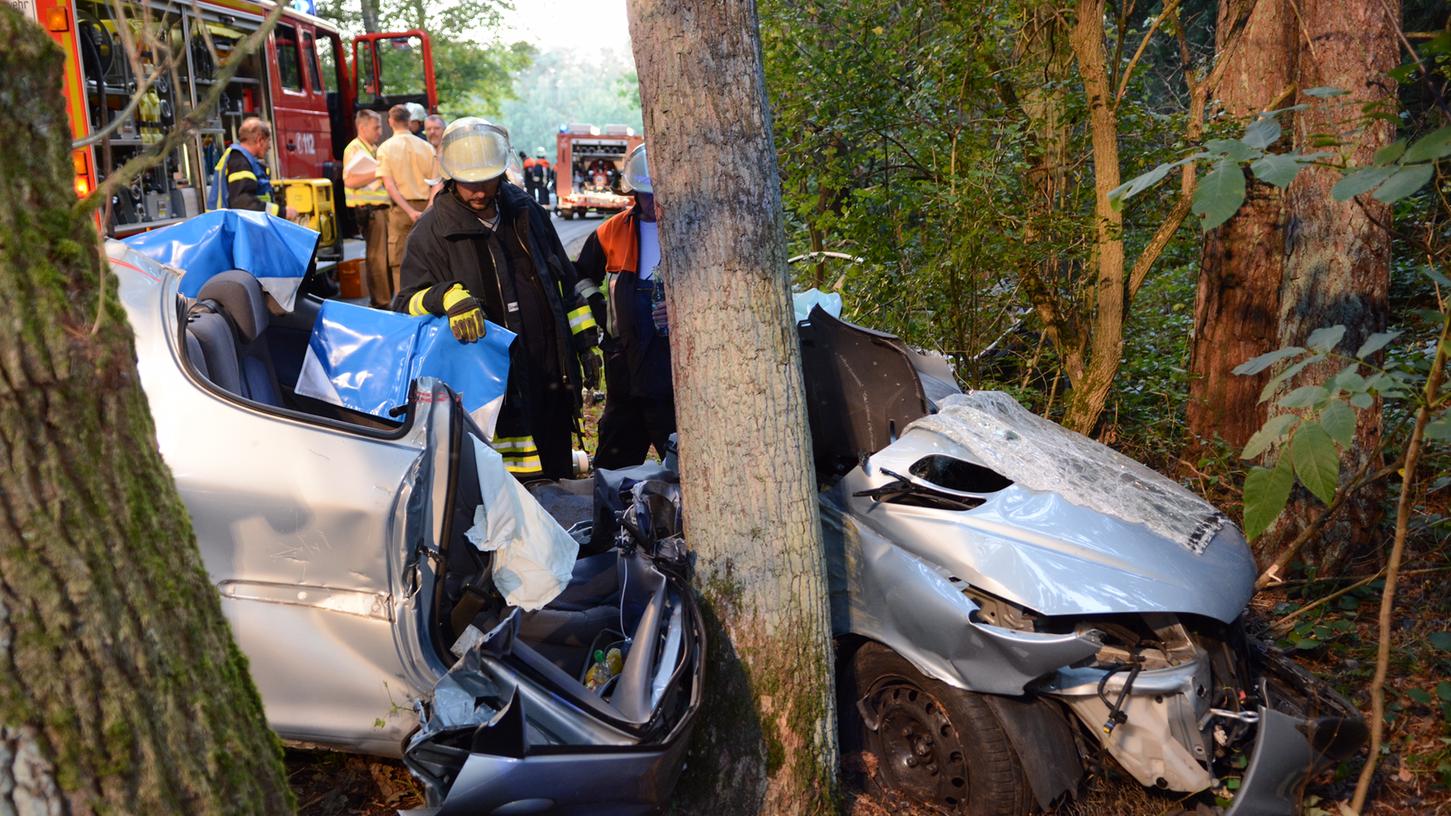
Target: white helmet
(539, 152)
(474, 150)
(637, 172)
(416, 112)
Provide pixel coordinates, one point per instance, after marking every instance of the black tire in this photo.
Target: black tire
(934, 744)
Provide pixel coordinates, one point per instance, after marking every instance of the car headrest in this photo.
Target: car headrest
(240, 295)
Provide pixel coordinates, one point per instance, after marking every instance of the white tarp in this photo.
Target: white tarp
(804, 302)
(1042, 455)
(533, 556)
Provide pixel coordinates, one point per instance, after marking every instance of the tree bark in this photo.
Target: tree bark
(1338, 266)
(767, 739)
(370, 16)
(1105, 345)
(121, 690)
(1236, 307)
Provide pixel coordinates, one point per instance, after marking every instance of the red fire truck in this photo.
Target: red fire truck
(590, 162)
(301, 79)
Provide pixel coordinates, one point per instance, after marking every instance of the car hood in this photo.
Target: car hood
(1086, 548)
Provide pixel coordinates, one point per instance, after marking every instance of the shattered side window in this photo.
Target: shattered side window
(1041, 455)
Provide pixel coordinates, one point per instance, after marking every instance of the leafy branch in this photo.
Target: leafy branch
(1397, 170)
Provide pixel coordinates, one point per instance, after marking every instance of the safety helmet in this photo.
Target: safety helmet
(539, 152)
(416, 112)
(637, 172)
(474, 150)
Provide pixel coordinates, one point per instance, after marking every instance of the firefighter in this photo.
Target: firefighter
(639, 395)
(242, 181)
(486, 250)
(364, 192)
(537, 173)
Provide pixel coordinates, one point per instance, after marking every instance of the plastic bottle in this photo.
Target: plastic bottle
(657, 301)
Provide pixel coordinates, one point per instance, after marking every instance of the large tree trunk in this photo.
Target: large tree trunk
(1236, 309)
(1338, 267)
(121, 690)
(767, 740)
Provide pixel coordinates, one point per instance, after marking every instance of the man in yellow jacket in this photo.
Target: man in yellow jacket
(365, 193)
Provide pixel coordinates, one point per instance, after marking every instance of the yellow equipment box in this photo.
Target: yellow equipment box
(313, 200)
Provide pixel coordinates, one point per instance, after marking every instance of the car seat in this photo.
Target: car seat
(226, 337)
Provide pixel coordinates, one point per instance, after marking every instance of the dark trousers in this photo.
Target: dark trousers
(553, 428)
(630, 424)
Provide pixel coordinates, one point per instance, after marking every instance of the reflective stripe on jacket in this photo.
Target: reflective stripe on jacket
(256, 173)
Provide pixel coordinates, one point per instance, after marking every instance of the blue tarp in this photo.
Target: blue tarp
(275, 250)
(364, 359)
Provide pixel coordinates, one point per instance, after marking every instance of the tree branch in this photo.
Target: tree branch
(1123, 83)
(1160, 240)
(1393, 568)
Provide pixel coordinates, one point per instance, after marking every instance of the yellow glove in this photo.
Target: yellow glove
(465, 318)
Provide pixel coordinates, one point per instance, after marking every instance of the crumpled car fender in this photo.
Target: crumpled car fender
(883, 593)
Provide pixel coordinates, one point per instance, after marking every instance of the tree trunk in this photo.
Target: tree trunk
(1042, 48)
(370, 16)
(1105, 345)
(121, 690)
(1338, 267)
(767, 739)
(1236, 309)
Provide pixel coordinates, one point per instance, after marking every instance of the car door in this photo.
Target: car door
(306, 529)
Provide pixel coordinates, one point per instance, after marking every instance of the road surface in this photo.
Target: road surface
(573, 233)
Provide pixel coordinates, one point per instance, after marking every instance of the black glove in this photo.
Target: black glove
(598, 309)
(591, 365)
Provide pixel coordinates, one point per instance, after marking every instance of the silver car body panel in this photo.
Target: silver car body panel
(1043, 552)
(885, 593)
(302, 527)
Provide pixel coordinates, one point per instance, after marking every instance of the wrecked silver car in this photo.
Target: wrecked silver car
(395, 590)
(1012, 600)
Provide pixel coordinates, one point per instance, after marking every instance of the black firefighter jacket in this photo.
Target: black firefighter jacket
(449, 245)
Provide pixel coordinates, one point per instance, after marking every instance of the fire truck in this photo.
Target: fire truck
(589, 165)
(302, 80)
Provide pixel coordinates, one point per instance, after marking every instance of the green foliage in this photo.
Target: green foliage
(1218, 197)
(1317, 463)
(1305, 444)
(472, 69)
(921, 137)
(1395, 172)
(1266, 491)
(593, 85)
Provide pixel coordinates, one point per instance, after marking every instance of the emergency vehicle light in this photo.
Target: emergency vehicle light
(81, 165)
(58, 19)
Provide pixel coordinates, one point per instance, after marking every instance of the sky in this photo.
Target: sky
(560, 24)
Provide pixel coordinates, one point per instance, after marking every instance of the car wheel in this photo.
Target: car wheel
(934, 744)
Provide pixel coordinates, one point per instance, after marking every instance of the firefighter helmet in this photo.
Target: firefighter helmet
(474, 150)
(539, 152)
(416, 112)
(637, 172)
